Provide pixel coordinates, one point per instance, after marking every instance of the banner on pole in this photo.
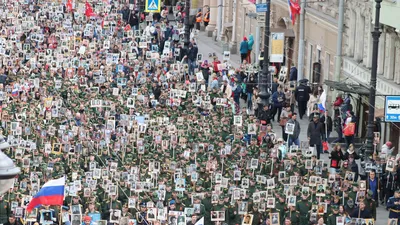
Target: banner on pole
(277, 47)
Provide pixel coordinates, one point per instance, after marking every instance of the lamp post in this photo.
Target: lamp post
(8, 170)
(264, 81)
(187, 28)
(372, 88)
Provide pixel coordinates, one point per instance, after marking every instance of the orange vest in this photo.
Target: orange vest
(198, 17)
(207, 17)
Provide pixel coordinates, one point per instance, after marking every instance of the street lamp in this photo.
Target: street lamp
(8, 170)
(187, 28)
(372, 88)
(264, 81)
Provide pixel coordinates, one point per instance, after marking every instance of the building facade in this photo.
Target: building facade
(357, 60)
(238, 18)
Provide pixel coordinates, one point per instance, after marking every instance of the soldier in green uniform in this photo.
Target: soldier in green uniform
(112, 203)
(303, 207)
(91, 208)
(280, 206)
(4, 210)
(331, 220)
(293, 215)
(257, 217)
(370, 204)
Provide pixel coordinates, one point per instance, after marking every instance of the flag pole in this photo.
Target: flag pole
(60, 215)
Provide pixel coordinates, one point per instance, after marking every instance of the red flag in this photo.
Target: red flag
(89, 11)
(102, 22)
(127, 27)
(294, 9)
(69, 5)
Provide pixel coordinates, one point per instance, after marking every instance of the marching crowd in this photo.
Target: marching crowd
(149, 132)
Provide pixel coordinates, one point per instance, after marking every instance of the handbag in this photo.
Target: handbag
(325, 146)
(349, 129)
(283, 122)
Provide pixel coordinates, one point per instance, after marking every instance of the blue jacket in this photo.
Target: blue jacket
(275, 100)
(214, 84)
(250, 42)
(244, 47)
(393, 209)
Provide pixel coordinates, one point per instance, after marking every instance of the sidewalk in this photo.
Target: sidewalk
(207, 45)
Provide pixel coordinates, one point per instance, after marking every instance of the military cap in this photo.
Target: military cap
(334, 207)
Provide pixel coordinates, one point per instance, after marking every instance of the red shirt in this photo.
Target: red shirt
(215, 66)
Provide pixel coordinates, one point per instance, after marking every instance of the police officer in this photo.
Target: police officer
(302, 95)
(393, 204)
(142, 214)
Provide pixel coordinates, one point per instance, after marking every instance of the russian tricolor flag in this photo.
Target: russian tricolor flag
(15, 92)
(52, 193)
(294, 9)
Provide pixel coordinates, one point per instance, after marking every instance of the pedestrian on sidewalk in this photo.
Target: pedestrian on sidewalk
(206, 18)
(226, 89)
(205, 70)
(214, 82)
(289, 99)
(250, 84)
(199, 17)
(293, 139)
(348, 131)
(275, 85)
(250, 46)
(316, 134)
(336, 156)
(311, 103)
(215, 64)
(192, 57)
(326, 118)
(237, 91)
(336, 105)
(302, 95)
(285, 114)
(244, 48)
(338, 128)
(278, 99)
(256, 100)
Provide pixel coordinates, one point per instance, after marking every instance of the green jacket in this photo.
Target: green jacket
(294, 217)
(303, 207)
(332, 219)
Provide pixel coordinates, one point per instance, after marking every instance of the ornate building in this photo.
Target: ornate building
(356, 66)
(238, 18)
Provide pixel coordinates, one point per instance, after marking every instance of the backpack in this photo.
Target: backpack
(244, 88)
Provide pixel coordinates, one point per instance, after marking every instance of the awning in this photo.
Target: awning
(347, 87)
(379, 112)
